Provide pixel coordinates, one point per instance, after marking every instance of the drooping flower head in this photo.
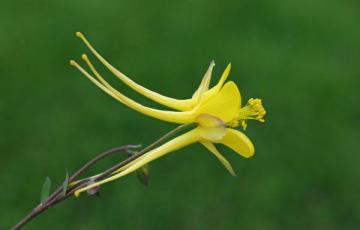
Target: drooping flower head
(217, 111)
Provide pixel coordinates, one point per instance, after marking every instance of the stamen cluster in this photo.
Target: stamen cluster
(257, 109)
(253, 110)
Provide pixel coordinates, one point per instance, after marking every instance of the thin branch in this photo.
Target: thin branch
(57, 196)
(54, 197)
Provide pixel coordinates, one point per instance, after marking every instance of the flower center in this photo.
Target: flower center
(253, 110)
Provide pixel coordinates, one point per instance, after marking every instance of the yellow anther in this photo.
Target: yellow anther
(84, 57)
(79, 34)
(244, 124)
(262, 112)
(253, 110)
(72, 62)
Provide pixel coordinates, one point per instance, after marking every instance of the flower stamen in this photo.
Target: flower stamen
(253, 110)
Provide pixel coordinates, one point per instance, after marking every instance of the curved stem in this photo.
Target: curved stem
(57, 196)
(53, 198)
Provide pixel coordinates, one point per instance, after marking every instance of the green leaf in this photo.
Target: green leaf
(45, 190)
(65, 184)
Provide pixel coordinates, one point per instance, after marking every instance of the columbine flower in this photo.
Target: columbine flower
(216, 111)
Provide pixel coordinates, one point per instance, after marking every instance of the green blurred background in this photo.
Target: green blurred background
(301, 57)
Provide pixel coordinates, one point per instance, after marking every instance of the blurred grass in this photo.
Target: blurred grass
(301, 57)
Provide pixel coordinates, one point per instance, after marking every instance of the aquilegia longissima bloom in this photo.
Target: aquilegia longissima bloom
(216, 111)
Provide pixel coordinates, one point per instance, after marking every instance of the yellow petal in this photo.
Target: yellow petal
(238, 142)
(170, 116)
(176, 143)
(224, 104)
(219, 156)
(177, 104)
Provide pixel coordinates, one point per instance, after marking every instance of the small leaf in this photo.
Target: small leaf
(65, 184)
(143, 174)
(45, 190)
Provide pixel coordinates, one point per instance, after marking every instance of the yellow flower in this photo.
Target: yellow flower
(216, 111)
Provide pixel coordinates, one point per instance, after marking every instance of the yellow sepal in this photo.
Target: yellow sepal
(204, 85)
(211, 147)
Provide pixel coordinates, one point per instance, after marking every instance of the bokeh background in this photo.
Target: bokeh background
(301, 57)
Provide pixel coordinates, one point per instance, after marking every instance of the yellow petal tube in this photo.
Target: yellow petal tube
(170, 116)
(176, 143)
(234, 139)
(223, 105)
(238, 142)
(177, 104)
